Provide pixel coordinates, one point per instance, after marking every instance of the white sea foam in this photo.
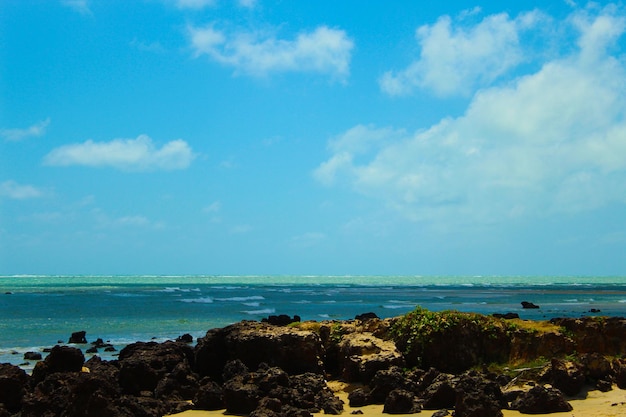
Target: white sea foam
(242, 299)
(254, 304)
(203, 300)
(262, 311)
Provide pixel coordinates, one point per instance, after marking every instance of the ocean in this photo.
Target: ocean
(41, 311)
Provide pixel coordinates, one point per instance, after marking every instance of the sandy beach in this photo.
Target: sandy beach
(591, 404)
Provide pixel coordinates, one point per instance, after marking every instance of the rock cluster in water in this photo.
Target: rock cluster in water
(275, 370)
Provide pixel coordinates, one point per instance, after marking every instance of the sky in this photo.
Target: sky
(253, 137)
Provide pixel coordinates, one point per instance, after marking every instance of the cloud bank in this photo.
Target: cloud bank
(138, 154)
(324, 50)
(552, 141)
(455, 59)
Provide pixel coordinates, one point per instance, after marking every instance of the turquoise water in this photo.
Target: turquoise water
(40, 311)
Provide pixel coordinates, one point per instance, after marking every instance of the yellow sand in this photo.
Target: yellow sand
(594, 404)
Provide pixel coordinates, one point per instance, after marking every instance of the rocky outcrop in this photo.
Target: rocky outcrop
(363, 354)
(606, 335)
(13, 386)
(60, 359)
(78, 337)
(271, 388)
(145, 365)
(478, 397)
(265, 369)
(295, 351)
(541, 400)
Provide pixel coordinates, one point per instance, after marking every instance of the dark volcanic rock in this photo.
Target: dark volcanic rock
(359, 398)
(180, 384)
(32, 356)
(388, 380)
(565, 376)
(528, 304)
(13, 384)
(366, 316)
(60, 359)
(401, 401)
(186, 338)
(296, 351)
(478, 397)
(144, 364)
(281, 320)
(209, 396)
(506, 316)
(78, 337)
(541, 400)
(441, 393)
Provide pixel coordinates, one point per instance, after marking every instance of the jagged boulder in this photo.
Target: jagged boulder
(60, 359)
(401, 401)
(541, 400)
(209, 396)
(363, 354)
(13, 385)
(295, 351)
(78, 338)
(144, 364)
(387, 380)
(565, 376)
(441, 393)
(478, 397)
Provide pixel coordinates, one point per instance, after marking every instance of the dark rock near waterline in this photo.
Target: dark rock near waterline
(78, 338)
(506, 316)
(296, 351)
(186, 338)
(32, 356)
(60, 359)
(541, 400)
(92, 349)
(144, 364)
(528, 304)
(281, 320)
(366, 316)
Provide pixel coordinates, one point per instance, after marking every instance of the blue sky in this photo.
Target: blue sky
(293, 137)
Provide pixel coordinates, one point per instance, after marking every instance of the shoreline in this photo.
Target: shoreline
(423, 359)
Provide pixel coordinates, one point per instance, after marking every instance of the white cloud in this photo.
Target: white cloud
(550, 142)
(13, 190)
(455, 59)
(138, 154)
(323, 50)
(81, 6)
(38, 129)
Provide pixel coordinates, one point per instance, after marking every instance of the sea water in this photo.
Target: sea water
(41, 311)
